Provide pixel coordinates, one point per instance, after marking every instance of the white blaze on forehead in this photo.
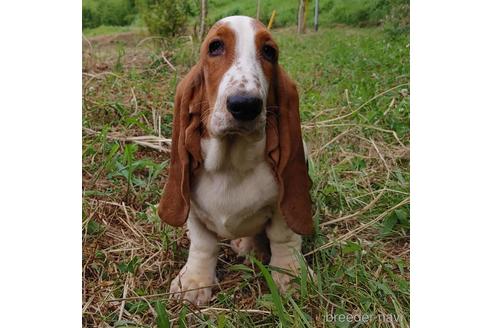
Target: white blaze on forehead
(245, 74)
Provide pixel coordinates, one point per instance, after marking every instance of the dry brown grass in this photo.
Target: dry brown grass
(360, 173)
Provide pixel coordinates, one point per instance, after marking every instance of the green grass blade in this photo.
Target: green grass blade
(182, 317)
(303, 275)
(162, 316)
(301, 314)
(277, 300)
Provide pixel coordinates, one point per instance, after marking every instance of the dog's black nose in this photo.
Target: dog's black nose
(243, 107)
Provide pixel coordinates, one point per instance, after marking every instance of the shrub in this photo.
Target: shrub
(108, 12)
(116, 12)
(89, 18)
(397, 21)
(358, 13)
(165, 17)
(394, 15)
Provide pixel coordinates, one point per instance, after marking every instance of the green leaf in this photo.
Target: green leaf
(125, 324)
(277, 301)
(403, 217)
(241, 268)
(221, 320)
(94, 228)
(301, 314)
(382, 286)
(162, 316)
(359, 164)
(351, 247)
(129, 267)
(100, 255)
(388, 224)
(182, 317)
(137, 307)
(303, 275)
(341, 319)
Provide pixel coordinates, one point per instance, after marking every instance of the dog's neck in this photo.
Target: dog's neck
(233, 152)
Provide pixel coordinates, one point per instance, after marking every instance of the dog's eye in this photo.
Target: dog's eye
(216, 48)
(269, 53)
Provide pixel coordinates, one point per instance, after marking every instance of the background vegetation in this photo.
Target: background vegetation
(354, 91)
(164, 14)
(108, 12)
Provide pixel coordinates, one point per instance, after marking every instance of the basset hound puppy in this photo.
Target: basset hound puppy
(237, 159)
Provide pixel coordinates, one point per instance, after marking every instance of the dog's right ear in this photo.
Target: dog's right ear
(174, 205)
(286, 153)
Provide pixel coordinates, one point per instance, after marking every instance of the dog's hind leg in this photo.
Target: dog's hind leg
(258, 245)
(243, 246)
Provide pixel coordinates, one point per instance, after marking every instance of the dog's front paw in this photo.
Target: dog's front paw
(192, 286)
(284, 280)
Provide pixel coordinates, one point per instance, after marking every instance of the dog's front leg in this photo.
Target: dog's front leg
(199, 271)
(284, 244)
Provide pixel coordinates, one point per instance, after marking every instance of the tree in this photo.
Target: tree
(301, 17)
(203, 18)
(316, 13)
(165, 17)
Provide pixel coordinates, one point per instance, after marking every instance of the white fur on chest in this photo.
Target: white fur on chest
(235, 193)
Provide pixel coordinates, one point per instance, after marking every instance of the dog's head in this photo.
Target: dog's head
(238, 57)
(238, 87)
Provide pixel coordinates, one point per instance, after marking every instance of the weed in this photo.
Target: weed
(354, 95)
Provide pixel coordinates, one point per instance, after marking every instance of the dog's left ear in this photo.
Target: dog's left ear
(286, 153)
(174, 205)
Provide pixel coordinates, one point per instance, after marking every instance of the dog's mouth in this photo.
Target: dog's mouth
(223, 123)
(238, 130)
(244, 128)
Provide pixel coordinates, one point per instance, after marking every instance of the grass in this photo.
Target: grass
(110, 29)
(348, 12)
(354, 12)
(354, 95)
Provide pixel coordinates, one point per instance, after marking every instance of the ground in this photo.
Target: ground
(354, 94)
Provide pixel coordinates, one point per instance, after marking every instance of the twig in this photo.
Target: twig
(159, 295)
(389, 106)
(235, 310)
(382, 159)
(374, 201)
(221, 284)
(361, 106)
(99, 75)
(134, 99)
(362, 227)
(167, 61)
(125, 291)
(153, 142)
(87, 40)
(358, 212)
(149, 38)
(86, 305)
(210, 309)
(321, 112)
(367, 126)
(331, 141)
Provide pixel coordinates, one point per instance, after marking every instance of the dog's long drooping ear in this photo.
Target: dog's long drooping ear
(174, 205)
(286, 153)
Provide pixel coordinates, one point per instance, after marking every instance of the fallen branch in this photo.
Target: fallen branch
(154, 142)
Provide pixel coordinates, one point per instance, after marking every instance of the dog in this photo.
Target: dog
(237, 164)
